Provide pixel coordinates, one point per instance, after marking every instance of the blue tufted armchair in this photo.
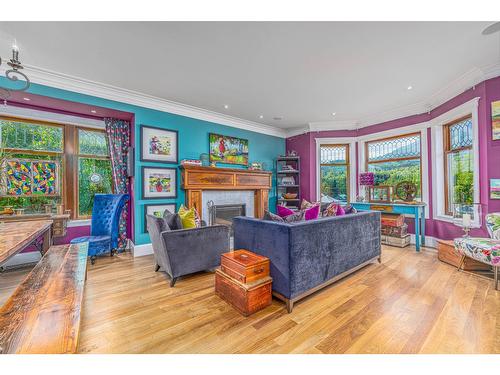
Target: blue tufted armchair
(106, 214)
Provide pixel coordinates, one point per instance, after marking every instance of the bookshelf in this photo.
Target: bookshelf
(288, 181)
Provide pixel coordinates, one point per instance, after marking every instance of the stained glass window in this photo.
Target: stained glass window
(31, 136)
(394, 148)
(334, 173)
(31, 177)
(91, 142)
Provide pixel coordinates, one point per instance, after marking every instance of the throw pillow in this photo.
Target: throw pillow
(189, 218)
(283, 211)
(349, 209)
(312, 213)
(305, 204)
(272, 217)
(295, 217)
(330, 210)
(159, 222)
(172, 220)
(340, 211)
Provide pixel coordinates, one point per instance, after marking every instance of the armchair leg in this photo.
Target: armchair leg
(92, 259)
(157, 268)
(172, 281)
(496, 277)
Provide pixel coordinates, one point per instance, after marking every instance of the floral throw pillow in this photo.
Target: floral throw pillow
(330, 210)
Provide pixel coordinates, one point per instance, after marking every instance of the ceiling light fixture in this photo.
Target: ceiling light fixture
(334, 113)
(93, 111)
(226, 106)
(410, 87)
(27, 99)
(278, 118)
(13, 75)
(261, 117)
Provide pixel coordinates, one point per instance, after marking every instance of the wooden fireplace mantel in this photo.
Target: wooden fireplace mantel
(195, 179)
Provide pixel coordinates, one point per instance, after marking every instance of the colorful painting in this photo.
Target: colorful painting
(495, 119)
(157, 210)
(44, 177)
(494, 188)
(229, 150)
(19, 179)
(32, 177)
(159, 145)
(159, 183)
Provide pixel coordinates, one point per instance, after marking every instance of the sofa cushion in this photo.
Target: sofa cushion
(306, 204)
(272, 217)
(172, 220)
(340, 211)
(312, 212)
(283, 211)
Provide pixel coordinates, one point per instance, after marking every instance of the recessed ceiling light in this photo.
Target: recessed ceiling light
(261, 116)
(27, 99)
(334, 113)
(226, 106)
(278, 118)
(93, 111)
(410, 87)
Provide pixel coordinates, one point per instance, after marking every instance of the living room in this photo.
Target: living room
(250, 187)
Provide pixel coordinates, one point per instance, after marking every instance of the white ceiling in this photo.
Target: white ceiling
(302, 71)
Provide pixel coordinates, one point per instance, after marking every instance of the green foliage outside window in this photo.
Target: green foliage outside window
(334, 182)
(393, 172)
(88, 168)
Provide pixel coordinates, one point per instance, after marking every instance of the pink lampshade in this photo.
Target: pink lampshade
(366, 178)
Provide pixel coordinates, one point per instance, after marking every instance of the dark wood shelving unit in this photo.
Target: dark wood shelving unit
(294, 162)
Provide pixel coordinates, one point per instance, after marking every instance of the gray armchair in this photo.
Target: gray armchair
(180, 252)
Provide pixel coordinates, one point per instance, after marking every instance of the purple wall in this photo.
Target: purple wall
(489, 152)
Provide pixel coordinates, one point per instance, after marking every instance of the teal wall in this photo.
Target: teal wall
(193, 140)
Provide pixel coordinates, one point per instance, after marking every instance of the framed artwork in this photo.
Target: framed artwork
(158, 183)
(31, 177)
(380, 194)
(229, 150)
(159, 145)
(494, 188)
(157, 210)
(495, 120)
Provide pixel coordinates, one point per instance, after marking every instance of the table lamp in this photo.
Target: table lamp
(366, 179)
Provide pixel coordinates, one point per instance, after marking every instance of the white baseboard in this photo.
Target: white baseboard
(23, 258)
(430, 242)
(141, 250)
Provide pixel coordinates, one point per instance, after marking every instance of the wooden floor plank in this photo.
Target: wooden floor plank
(411, 303)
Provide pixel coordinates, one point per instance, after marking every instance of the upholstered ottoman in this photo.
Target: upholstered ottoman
(485, 250)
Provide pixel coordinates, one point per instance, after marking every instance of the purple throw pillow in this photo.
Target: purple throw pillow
(340, 211)
(283, 211)
(312, 213)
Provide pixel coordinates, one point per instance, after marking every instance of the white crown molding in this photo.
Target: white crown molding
(328, 125)
(88, 87)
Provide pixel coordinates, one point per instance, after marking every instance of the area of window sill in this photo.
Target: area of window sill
(449, 219)
(79, 223)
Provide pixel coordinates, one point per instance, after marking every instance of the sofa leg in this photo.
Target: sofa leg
(157, 268)
(379, 259)
(172, 281)
(289, 305)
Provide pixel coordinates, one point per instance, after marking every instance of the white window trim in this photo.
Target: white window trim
(424, 154)
(470, 107)
(79, 223)
(352, 163)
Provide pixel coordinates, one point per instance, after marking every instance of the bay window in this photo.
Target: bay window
(394, 160)
(49, 163)
(458, 163)
(334, 172)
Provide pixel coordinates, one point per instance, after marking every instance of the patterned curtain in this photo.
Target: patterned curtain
(118, 137)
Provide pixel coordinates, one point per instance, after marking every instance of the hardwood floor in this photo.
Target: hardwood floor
(411, 303)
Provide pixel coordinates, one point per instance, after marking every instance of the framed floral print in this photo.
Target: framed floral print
(159, 183)
(159, 145)
(157, 210)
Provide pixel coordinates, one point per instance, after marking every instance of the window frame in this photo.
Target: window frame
(347, 164)
(446, 151)
(70, 155)
(419, 158)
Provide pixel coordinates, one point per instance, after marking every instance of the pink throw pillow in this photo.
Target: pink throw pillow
(340, 211)
(312, 213)
(283, 211)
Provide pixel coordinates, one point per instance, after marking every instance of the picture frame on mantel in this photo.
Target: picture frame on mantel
(159, 145)
(159, 182)
(157, 210)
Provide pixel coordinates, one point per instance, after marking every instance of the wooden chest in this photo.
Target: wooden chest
(393, 220)
(400, 232)
(246, 298)
(245, 266)
(395, 241)
(447, 254)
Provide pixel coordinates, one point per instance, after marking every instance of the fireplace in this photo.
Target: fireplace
(224, 213)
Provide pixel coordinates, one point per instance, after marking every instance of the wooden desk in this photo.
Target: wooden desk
(43, 314)
(59, 222)
(14, 237)
(418, 210)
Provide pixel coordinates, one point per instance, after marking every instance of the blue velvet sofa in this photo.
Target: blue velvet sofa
(309, 255)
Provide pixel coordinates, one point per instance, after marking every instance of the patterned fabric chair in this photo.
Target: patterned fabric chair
(104, 230)
(485, 250)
